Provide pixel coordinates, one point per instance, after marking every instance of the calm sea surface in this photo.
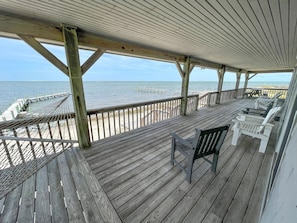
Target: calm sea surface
(101, 94)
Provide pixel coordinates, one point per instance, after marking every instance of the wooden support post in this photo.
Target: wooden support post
(247, 74)
(221, 73)
(208, 99)
(197, 102)
(185, 74)
(75, 77)
(238, 74)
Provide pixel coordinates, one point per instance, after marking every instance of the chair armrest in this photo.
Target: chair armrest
(250, 118)
(181, 140)
(253, 127)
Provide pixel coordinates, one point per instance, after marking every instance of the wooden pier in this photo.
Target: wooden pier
(21, 104)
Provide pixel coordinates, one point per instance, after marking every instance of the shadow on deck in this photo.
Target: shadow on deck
(136, 182)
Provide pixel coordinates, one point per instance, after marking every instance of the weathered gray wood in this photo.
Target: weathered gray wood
(42, 204)
(75, 77)
(91, 60)
(246, 80)
(86, 198)
(201, 178)
(253, 210)
(244, 192)
(10, 212)
(26, 209)
(201, 208)
(221, 73)
(196, 191)
(59, 211)
(185, 85)
(238, 75)
(74, 210)
(2, 201)
(239, 185)
(104, 205)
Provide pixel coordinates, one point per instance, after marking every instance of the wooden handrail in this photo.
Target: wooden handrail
(103, 122)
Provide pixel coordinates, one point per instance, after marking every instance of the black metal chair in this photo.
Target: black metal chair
(204, 143)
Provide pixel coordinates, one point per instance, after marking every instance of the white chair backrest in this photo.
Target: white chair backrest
(269, 117)
(277, 95)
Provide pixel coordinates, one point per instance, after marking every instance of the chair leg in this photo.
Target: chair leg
(172, 152)
(189, 170)
(214, 162)
(235, 137)
(263, 145)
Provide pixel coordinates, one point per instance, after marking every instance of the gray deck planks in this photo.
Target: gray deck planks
(244, 192)
(85, 195)
(10, 212)
(74, 209)
(26, 209)
(202, 172)
(42, 208)
(104, 205)
(2, 201)
(238, 179)
(255, 204)
(202, 206)
(208, 182)
(58, 209)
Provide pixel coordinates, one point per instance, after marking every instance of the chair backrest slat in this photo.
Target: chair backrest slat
(209, 140)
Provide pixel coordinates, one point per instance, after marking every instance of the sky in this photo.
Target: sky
(20, 62)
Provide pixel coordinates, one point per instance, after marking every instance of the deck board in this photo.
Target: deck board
(42, 196)
(128, 178)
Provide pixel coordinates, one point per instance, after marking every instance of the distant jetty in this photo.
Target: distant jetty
(20, 105)
(150, 90)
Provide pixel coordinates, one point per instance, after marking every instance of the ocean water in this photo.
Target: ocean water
(101, 94)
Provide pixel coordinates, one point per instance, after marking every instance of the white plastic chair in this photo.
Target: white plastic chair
(254, 126)
(263, 102)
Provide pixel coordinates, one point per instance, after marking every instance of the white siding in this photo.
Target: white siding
(282, 201)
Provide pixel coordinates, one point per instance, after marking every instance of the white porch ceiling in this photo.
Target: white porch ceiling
(253, 35)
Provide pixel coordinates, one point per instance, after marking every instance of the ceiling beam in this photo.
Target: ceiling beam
(12, 26)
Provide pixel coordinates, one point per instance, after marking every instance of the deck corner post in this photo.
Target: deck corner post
(76, 82)
(208, 99)
(221, 73)
(185, 85)
(247, 77)
(197, 102)
(238, 75)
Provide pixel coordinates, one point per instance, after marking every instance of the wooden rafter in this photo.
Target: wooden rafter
(91, 60)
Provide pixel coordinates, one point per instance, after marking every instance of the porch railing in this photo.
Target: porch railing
(28, 144)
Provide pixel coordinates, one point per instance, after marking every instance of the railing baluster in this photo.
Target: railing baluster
(51, 135)
(19, 145)
(103, 125)
(98, 127)
(30, 142)
(90, 127)
(60, 133)
(6, 150)
(40, 135)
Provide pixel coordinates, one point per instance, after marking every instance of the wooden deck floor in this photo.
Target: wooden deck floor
(134, 171)
(136, 182)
